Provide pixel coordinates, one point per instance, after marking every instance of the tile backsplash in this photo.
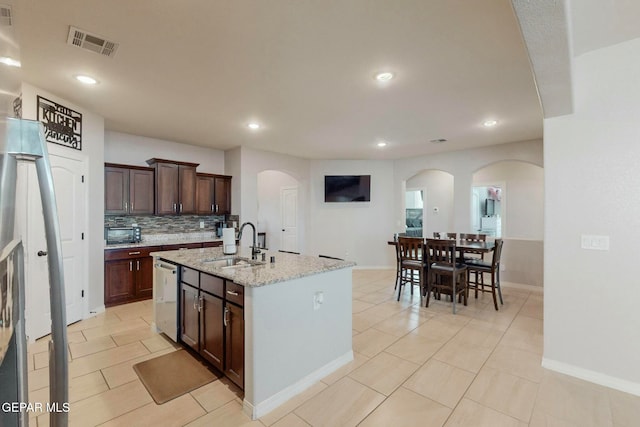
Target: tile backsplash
(165, 224)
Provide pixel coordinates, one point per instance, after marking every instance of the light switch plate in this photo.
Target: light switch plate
(594, 242)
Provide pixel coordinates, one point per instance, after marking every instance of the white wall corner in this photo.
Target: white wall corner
(592, 376)
(260, 409)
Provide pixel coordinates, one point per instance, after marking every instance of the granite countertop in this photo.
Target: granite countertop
(169, 239)
(286, 266)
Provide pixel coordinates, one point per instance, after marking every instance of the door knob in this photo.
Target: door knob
(42, 253)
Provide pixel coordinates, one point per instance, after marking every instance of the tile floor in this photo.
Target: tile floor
(413, 366)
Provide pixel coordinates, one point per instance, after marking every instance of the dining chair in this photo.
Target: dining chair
(444, 274)
(398, 267)
(450, 236)
(480, 267)
(471, 254)
(412, 262)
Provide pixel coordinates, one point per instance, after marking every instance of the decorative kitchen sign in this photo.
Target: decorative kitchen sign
(17, 107)
(62, 125)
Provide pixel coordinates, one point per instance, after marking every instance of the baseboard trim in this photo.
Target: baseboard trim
(269, 404)
(523, 286)
(97, 310)
(592, 376)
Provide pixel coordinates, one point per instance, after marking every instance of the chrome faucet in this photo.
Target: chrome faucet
(254, 249)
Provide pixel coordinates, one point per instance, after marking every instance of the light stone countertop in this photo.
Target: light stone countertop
(286, 266)
(169, 239)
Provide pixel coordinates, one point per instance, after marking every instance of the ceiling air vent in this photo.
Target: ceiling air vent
(92, 42)
(5, 15)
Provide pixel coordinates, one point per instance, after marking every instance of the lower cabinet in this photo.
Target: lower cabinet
(212, 321)
(128, 275)
(234, 342)
(212, 336)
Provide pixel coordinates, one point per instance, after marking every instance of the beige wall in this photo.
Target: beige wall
(592, 182)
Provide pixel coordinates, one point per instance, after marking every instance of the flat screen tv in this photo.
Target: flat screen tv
(347, 188)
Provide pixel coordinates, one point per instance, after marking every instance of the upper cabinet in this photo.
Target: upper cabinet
(129, 190)
(166, 188)
(175, 187)
(213, 194)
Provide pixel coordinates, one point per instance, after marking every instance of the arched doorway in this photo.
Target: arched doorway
(429, 203)
(509, 197)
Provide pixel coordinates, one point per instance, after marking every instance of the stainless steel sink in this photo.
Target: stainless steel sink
(234, 262)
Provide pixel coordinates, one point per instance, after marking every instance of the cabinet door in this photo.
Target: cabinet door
(116, 191)
(204, 195)
(211, 330)
(222, 193)
(234, 342)
(189, 316)
(166, 189)
(141, 192)
(187, 192)
(118, 281)
(144, 277)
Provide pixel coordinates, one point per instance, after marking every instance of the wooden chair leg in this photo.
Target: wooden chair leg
(493, 291)
(498, 285)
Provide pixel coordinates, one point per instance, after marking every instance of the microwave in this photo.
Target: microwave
(119, 235)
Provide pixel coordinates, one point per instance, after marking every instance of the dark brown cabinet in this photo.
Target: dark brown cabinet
(175, 187)
(128, 275)
(234, 343)
(213, 194)
(222, 191)
(212, 321)
(129, 190)
(212, 337)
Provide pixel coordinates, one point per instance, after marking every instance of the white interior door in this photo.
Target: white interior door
(475, 210)
(289, 211)
(70, 194)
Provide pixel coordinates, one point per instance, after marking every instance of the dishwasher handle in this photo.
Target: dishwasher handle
(173, 268)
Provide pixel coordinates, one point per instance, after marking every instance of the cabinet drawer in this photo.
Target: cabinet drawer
(189, 276)
(212, 284)
(113, 254)
(235, 293)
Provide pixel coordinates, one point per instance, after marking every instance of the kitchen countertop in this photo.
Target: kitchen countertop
(169, 239)
(286, 266)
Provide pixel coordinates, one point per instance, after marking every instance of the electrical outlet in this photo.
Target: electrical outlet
(598, 243)
(318, 299)
(201, 224)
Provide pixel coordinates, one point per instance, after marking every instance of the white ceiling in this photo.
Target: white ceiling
(198, 71)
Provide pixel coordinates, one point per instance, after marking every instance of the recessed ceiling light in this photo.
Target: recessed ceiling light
(490, 123)
(382, 144)
(9, 61)
(253, 126)
(438, 140)
(86, 79)
(384, 77)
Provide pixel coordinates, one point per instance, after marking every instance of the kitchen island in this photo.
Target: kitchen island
(296, 317)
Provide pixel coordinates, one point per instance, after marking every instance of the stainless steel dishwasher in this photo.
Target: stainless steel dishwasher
(165, 298)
